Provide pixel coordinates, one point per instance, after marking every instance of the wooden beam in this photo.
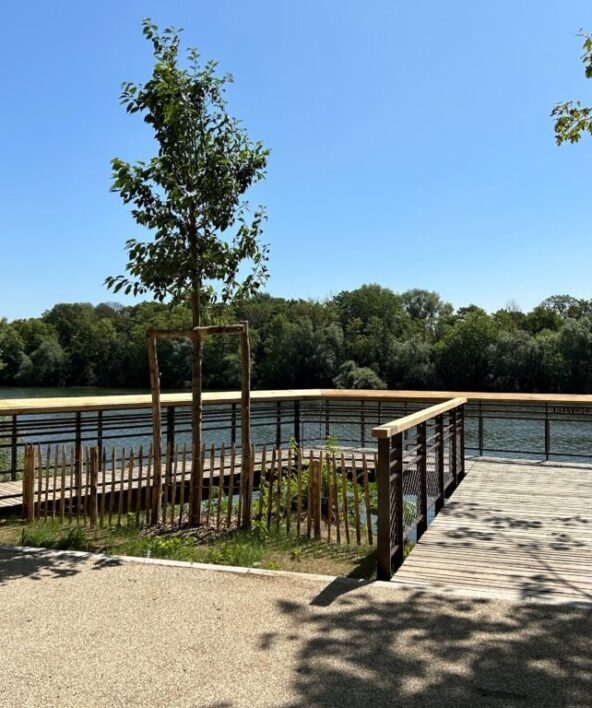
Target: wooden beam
(65, 404)
(409, 421)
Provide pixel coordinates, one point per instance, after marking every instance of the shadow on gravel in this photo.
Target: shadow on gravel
(436, 651)
(42, 564)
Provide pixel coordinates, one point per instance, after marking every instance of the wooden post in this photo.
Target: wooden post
(233, 423)
(247, 467)
(422, 453)
(315, 496)
(389, 552)
(14, 448)
(94, 475)
(170, 436)
(460, 419)
(297, 422)
(197, 446)
(156, 430)
(29, 484)
(547, 433)
(453, 452)
(100, 433)
(78, 438)
(278, 424)
(480, 429)
(440, 449)
(362, 424)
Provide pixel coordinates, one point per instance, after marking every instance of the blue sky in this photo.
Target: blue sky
(411, 143)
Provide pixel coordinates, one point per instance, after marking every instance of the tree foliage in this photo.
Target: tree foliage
(306, 344)
(572, 119)
(190, 194)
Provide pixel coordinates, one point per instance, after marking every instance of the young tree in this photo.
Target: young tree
(190, 195)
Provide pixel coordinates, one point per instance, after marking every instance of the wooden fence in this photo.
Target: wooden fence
(322, 494)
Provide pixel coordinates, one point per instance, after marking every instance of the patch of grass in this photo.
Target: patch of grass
(51, 534)
(273, 548)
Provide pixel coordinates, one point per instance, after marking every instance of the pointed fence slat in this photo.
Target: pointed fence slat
(367, 498)
(329, 464)
(336, 497)
(140, 483)
(270, 486)
(121, 487)
(103, 461)
(356, 501)
(220, 489)
(63, 486)
(298, 492)
(182, 489)
(174, 485)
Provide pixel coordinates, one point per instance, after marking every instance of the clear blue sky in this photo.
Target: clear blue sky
(411, 143)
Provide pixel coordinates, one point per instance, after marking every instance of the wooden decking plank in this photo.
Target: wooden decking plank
(510, 531)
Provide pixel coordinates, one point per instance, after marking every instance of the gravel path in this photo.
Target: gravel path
(80, 630)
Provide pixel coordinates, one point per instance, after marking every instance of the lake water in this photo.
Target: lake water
(503, 434)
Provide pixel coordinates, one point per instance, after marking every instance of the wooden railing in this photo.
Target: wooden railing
(421, 460)
(537, 426)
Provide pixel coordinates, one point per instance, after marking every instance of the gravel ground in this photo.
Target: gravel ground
(80, 630)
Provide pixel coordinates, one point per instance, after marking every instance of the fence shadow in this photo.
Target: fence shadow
(16, 563)
(430, 651)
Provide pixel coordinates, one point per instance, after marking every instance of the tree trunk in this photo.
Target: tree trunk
(196, 411)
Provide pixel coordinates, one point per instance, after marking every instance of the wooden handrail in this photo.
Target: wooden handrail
(410, 421)
(23, 406)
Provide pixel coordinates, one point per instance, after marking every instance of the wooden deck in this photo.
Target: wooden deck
(519, 531)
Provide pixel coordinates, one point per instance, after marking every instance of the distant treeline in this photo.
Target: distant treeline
(370, 337)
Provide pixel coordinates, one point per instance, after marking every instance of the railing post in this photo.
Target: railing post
(453, 452)
(422, 468)
(460, 424)
(389, 478)
(170, 441)
(100, 434)
(480, 429)
(78, 438)
(362, 424)
(278, 424)
(547, 433)
(233, 423)
(440, 449)
(14, 448)
(297, 421)
(327, 420)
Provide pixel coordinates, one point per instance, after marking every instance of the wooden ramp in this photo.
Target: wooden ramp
(519, 531)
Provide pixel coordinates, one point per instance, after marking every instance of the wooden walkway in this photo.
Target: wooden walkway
(518, 531)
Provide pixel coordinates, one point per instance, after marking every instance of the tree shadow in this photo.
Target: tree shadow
(426, 650)
(41, 564)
